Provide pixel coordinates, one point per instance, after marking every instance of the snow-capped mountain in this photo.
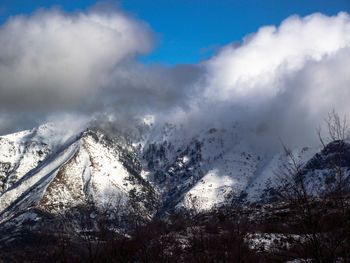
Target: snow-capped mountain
(46, 170)
(41, 169)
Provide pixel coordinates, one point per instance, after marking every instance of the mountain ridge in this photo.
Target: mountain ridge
(153, 176)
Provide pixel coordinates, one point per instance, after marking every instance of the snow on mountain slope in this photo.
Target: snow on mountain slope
(228, 172)
(31, 159)
(211, 167)
(268, 176)
(327, 167)
(19, 154)
(54, 172)
(215, 167)
(164, 168)
(95, 175)
(28, 191)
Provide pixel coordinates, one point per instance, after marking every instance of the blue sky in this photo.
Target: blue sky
(189, 30)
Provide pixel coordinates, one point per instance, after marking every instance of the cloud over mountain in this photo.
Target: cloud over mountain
(279, 81)
(282, 79)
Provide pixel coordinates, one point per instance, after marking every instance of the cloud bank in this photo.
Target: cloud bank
(51, 59)
(258, 67)
(279, 82)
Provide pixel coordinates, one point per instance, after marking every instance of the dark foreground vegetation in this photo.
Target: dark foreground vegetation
(306, 230)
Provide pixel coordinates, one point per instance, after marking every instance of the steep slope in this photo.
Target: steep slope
(264, 187)
(322, 170)
(103, 173)
(54, 175)
(164, 168)
(215, 167)
(207, 169)
(32, 159)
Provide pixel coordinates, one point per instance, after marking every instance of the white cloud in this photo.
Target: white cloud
(258, 68)
(52, 58)
(280, 82)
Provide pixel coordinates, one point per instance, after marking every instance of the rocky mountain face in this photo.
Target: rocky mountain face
(46, 173)
(43, 174)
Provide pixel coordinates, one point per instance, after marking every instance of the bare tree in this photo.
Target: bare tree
(337, 128)
(319, 211)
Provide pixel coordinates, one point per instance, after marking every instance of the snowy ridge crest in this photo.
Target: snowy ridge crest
(160, 170)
